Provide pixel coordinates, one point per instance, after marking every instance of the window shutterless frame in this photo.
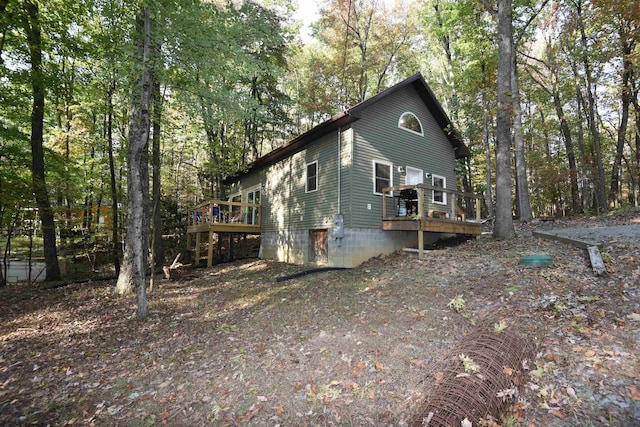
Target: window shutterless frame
(439, 197)
(382, 176)
(311, 177)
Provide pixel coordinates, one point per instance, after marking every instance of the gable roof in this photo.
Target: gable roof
(354, 113)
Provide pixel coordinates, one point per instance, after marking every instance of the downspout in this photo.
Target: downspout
(338, 220)
(339, 165)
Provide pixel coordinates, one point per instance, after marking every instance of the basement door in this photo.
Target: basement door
(319, 246)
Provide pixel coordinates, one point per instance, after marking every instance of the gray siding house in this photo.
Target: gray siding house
(320, 193)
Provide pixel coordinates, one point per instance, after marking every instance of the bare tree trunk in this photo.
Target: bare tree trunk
(636, 107)
(115, 249)
(524, 204)
(601, 199)
(158, 247)
(584, 163)
(625, 97)
(134, 265)
(31, 22)
(571, 156)
(503, 226)
(487, 146)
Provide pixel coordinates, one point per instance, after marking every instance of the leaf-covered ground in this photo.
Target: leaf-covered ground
(231, 346)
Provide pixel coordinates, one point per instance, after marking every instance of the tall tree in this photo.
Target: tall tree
(158, 246)
(619, 19)
(503, 227)
(362, 45)
(32, 26)
(592, 114)
(134, 264)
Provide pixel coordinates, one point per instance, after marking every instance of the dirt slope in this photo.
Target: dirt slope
(231, 346)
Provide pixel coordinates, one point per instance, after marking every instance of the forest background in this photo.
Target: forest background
(103, 100)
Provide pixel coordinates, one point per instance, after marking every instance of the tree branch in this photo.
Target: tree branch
(493, 11)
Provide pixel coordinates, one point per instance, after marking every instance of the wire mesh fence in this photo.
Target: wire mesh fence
(479, 377)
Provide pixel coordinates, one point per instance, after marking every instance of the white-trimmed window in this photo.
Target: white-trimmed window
(410, 122)
(252, 212)
(311, 181)
(439, 197)
(382, 176)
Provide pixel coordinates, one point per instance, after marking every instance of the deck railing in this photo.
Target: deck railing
(423, 201)
(224, 212)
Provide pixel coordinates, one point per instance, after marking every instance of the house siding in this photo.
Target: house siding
(377, 137)
(289, 213)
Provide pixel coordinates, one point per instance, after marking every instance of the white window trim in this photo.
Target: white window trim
(306, 178)
(409, 130)
(444, 194)
(373, 166)
(254, 211)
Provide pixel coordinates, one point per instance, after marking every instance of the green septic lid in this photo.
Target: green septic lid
(536, 260)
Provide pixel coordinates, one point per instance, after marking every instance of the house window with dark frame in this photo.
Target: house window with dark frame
(409, 121)
(311, 183)
(439, 197)
(382, 176)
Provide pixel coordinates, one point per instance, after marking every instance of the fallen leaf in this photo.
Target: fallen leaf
(634, 316)
(280, 410)
(326, 400)
(557, 413)
(633, 392)
(508, 371)
(379, 366)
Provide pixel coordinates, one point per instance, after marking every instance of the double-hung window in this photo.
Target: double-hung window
(382, 176)
(439, 197)
(311, 182)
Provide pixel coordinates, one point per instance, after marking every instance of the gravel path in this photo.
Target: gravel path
(600, 235)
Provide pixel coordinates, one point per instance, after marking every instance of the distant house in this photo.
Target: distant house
(361, 183)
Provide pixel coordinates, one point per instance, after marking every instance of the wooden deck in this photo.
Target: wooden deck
(413, 208)
(219, 217)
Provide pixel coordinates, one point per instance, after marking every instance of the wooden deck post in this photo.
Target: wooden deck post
(210, 248)
(478, 211)
(188, 254)
(421, 210)
(420, 243)
(197, 260)
(384, 205)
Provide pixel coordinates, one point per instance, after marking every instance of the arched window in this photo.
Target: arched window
(410, 122)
